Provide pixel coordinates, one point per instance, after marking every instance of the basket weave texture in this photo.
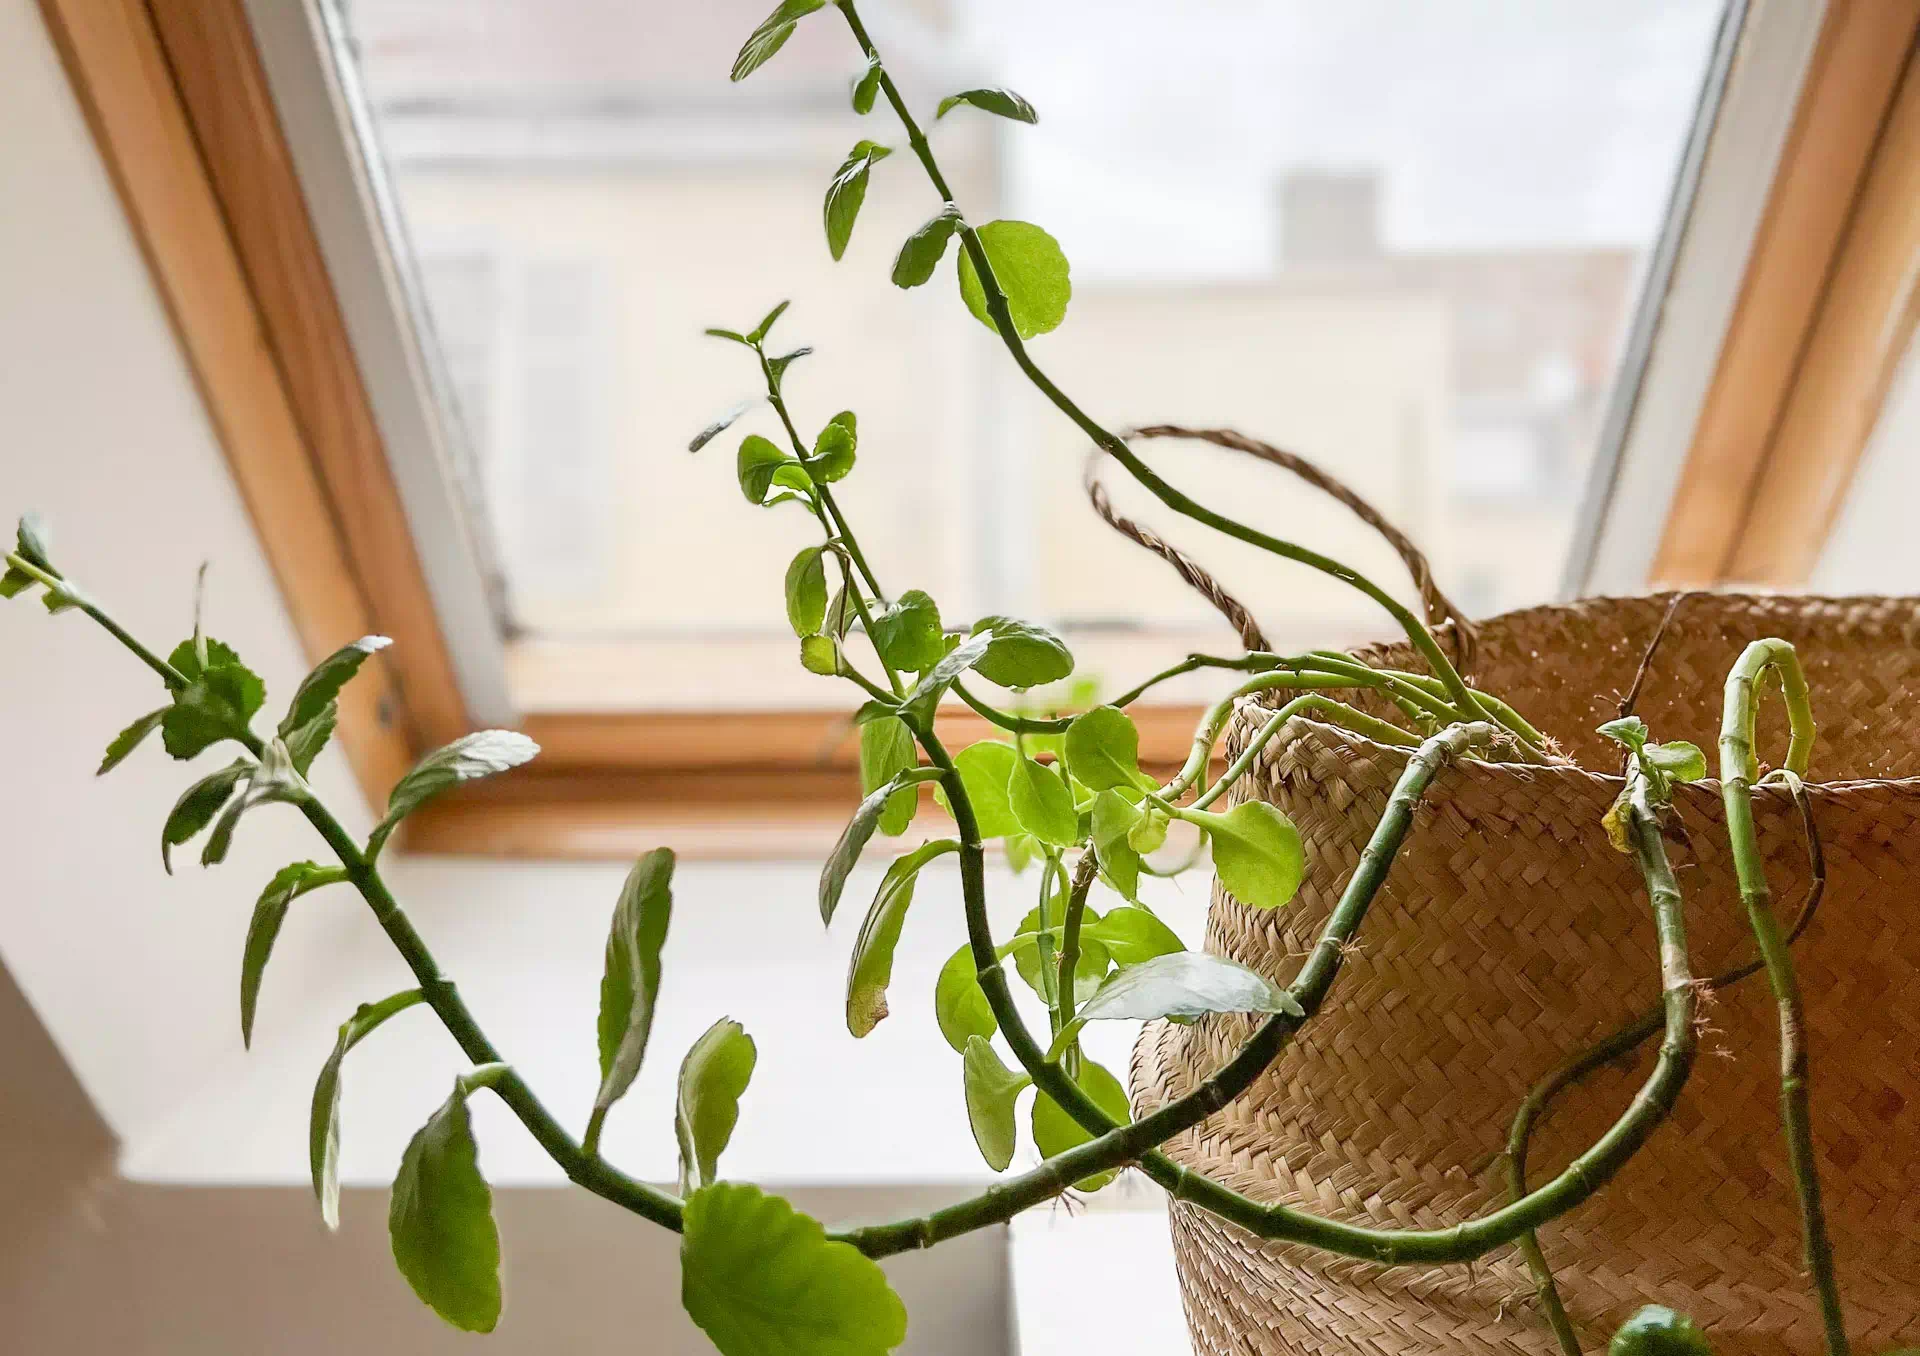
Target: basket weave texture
(1509, 935)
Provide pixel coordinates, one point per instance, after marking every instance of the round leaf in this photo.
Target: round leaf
(1103, 750)
(713, 1077)
(985, 769)
(1132, 935)
(806, 589)
(1021, 654)
(959, 1003)
(1042, 804)
(1055, 1132)
(1032, 272)
(833, 450)
(755, 466)
(1256, 852)
(886, 750)
(907, 632)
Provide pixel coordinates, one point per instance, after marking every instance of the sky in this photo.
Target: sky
(1494, 123)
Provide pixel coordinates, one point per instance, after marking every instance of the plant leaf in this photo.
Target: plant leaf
(305, 743)
(1088, 972)
(1004, 102)
(1021, 654)
(756, 465)
(762, 1279)
(959, 1003)
(269, 912)
(1103, 750)
(719, 426)
(1114, 819)
(992, 1090)
(771, 35)
(1031, 271)
(1256, 852)
(807, 591)
(759, 332)
(318, 689)
(925, 248)
(786, 360)
(1054, 1131)
(713, 1076)
(853, 838)
(907, 632)
(847, 191)
(867, 87)
(440, 1220)
(1629, 730)
(1150, 834)
(886, 750)
(218, 701)
(630, 982)
(323, 1125)
(925, 697)
(1132, 935)
(197, 806)
(870, 969)
(1183, 984)
(1042, 804)
(833, 450)
(481, 754)
(820, 654)
(1681, 761)
(985, 768)
(274, 781)
(130, 739)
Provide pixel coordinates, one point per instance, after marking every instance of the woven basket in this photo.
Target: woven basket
(1508, 935)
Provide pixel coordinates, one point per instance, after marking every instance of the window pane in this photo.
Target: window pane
(1401, 240)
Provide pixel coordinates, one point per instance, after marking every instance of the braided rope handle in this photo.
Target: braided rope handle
(1442, 614)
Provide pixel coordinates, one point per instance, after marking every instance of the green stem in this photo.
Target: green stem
(1018, 724)
(1738, 767)
(172, 677)
(1336, 713)
(1083, 874)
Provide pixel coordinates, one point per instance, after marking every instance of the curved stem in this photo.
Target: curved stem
(1336, 713)
(1076, 911)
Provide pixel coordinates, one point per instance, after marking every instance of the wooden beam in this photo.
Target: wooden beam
(120, 72)
(1850, 88)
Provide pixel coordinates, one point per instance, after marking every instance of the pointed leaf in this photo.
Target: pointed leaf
(1114, 820)
(1042, 804)
(712, 1078)
(853, 838)
(985, 769)
(1004, 102)
(274, 781)
(440, 1220)
(959, 1003)
(871, 968)
(1132, 935)
(1054, 1131)
(719, 426)
(1103, 750)
(925, 697)
(759, 332)
(867, 87)
(907, 632)
(269, 912)
(886, 750)
(806, 588)
(771, 35)
(1031, 271)
(762, 1279)
(318, 689)
(31, 539)
(305, 743)
(786, 360)
(924, 249)
(1021, 654)
(847, 191)
(630, 983)
(323, 1125)
(992, 1090)
(1182, 984)
(130, 739)
(1256, 852)
(481, 754)
(218, 701)
(197, 806)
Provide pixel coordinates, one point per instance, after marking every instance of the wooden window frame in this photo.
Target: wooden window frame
(184, 116)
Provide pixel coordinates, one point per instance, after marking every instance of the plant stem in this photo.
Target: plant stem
(172, 677)
(1336, 713)
(1083, 874)
(1737, 769)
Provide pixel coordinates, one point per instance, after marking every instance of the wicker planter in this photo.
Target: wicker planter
(1509, 935)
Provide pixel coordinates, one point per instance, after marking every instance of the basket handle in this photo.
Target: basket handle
(1442, 614)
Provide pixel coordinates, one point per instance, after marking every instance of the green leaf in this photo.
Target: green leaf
(759, 332)
(1182, 984)
(274, 781)
(1103, 750)
(985, 769)
(1114, 819)
(269, 912)
(870, 969)
(959, 1003)
(719, 426)
(807, 591)
(440, 1219)
(1088, 972)
(1681, 761)
(867, 87)
(1055, 1132)
(1132, 935)
(833, 450)
(1021, 849)
(323, 1125)
(31, 538)
(820, 654)
(853, 838)
(305, 743)
(1022, 654)
(1256, 852)
(886, 750)
(1629, 730)
(733, 335)
(925, 697)
(14, 582)
(1150, 834)
(713, 1077)
(218, 701)
(1042, 804)
(467, 758)
(762, 1279)
(1003, 102)
(130, 739)
(1031, 271)
(197, 806)
(786, 360)
(756, 465)
(630, 982)
(771, 35)
(907, 632)
(847, 191)
(318, 689)
(925, 248)
(992, 1090)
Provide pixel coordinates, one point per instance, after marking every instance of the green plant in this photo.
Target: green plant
(1062, 791)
